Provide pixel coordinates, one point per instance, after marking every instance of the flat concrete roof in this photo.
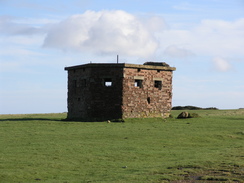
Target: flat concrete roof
(121, 65)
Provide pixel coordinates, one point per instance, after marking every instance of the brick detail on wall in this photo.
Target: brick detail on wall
(147, 101)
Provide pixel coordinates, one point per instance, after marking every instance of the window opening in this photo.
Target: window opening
(138, 70)
(158, 84)
(108, 82)
(158, 70)
(148, 100)
(138, 83)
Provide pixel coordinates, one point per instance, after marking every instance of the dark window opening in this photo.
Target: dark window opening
(138, 83)
(78, 99)
(158, 70)
(108, 82)
(138, 70)
(148, 100)
(158, 84)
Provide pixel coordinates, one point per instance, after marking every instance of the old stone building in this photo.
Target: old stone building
(102, 91)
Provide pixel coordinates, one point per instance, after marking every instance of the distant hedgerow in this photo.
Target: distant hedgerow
(192, 108)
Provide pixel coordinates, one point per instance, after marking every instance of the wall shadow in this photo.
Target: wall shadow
(65, 120)
(30, 119)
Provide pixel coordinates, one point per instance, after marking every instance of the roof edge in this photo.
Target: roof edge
(121, 65)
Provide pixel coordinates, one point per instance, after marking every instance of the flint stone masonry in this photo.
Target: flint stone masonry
(112, 91)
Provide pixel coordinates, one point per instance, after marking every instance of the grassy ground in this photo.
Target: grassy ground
(43, 148)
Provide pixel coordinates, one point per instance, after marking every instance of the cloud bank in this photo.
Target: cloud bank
(103, 32)
(119, 32)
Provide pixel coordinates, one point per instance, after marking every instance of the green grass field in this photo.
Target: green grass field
(43, 148)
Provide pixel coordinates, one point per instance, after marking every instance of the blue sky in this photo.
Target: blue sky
(203, 39)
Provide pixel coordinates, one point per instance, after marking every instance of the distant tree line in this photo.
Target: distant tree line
(193, 108)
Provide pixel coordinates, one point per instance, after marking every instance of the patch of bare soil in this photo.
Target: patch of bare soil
(227, 173)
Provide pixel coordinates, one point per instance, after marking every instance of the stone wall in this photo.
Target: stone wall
(88, 96)
(152, 98)
(112, 91)
(78, 93)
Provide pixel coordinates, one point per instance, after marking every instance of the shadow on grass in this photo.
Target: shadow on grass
(31, 119)
(241, 119)
(45, 119)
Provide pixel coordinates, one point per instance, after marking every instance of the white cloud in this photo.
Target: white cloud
(118, 32)
(12, 26)
(221, 64)
(209, 38)
(9, 27)
(104, 32)
(155, 23)
(175, 51)
(38, 22)
(218, 37)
